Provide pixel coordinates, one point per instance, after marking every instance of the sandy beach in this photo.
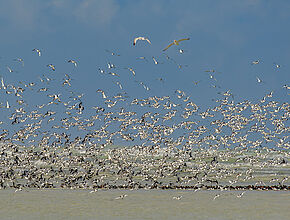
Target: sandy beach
(142, 204)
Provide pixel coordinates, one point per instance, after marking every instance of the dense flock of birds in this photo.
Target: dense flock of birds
(165, 142)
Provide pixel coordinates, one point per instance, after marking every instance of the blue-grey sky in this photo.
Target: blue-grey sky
(225, 35)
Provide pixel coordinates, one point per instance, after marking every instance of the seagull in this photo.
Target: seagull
(119, 84)
(155, 61)
(20, 60)
(181, 51)
(101, 71)
(113, 74)
(2, 83)
(131, 70)
(111, 66)
(216, 196)
(38, 51)
(9, 69)
(93, 191)
(177, 197)
(142, 58)
(51, 66)
(259, 80)
(175, 42)
(103, 93)
(18, 190)
(121, 196)
(140, 38)
(241, 194)
(73, 62)
(256, 62)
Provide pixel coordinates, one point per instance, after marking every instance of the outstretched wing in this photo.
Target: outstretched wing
(148, 40)
(183, 39)
(135, 40)
(168, 46)
(140, 38)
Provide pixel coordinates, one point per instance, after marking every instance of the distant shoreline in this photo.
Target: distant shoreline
(140, 187)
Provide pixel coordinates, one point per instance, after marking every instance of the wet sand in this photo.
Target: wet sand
(143, 204)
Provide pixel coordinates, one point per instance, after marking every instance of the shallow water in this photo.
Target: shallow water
(142, 204)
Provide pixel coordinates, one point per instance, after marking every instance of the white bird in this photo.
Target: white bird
(216, 196)
(256, 62)
(111, 66)
(181, 51)
(93, 191)
(20, 60)
(241, 194)
(73, 62)
(38, 51)
(177, 197)
(2, 83)
(51, 66)
(9, 69)
(101, 71)
(140, 38)
(113, 74)
(155, 61)
(120, 85)
(259, 80)
(121, 196)
(103, 93)
(131, 70)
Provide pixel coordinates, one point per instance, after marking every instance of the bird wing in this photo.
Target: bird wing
(168, 46)
(135, 40)
(148, 40)
(183, 39)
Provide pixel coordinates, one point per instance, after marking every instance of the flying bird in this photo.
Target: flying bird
(9, 69)
(131, 70)
(37, 51)
(120, 85)
(103, 93)
(277, 65)
(175, 42)
(73, 62)
(258, 80)
(20, 60)
(140, 38)
(255, 62)
(51, 66)
(155, 61)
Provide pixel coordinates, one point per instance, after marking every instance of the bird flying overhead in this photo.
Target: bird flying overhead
(51, 66)
(140, 38)
(38, 51)
(175, 42)
(73, 62)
